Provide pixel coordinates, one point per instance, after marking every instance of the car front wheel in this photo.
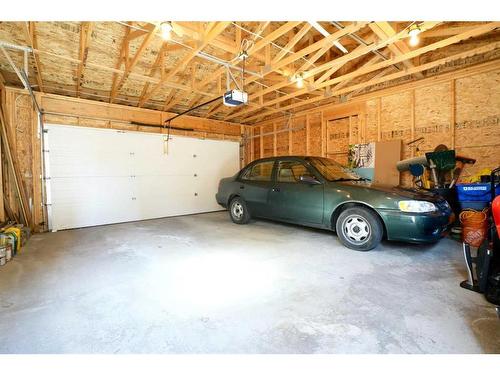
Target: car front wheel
(238, 211)
(359, 229)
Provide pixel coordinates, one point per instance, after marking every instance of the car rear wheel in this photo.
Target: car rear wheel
(238, 211)
(359, 229)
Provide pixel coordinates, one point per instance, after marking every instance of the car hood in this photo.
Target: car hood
(408, 193)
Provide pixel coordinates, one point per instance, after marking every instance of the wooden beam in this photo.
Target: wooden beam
(379, 118)
(307, 134)
(453, 112)
(383, 64)
(83, 52)
(158, 64)
(145, 29)
(209, 36)
(129, 65)
(291, 43)
(412, 119)
(261, 140)
(334, 63)
(269, 38)
(295, 56)
(446, 31)
(275, 147)
(323, 135)
(423, 67)
(169, 99)
(398, 88)
(31, 40)
(317, 55)
(172, 103)
(383, 30)
(121, 58)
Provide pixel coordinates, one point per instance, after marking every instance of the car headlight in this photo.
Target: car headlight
(417, 206)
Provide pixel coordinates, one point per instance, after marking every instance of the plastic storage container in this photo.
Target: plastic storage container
(476, 192)
(475, 196)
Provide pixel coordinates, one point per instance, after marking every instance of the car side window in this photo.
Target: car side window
(259, 172)
(290, 171)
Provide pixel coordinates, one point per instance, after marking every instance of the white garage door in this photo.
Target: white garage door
(101, 176)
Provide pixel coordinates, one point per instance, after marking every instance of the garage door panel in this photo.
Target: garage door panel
(109, 197)
(104, 176)
(99, 154)
(156, 195)
(178, 160)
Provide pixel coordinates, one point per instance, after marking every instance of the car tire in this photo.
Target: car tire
(238, 211)
(359, 229)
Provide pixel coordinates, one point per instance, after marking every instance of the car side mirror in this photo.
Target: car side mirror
(308, 179)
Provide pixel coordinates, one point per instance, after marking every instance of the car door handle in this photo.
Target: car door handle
(276, 189)
(242, 186)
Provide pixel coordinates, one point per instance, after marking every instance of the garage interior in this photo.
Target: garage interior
(114, 139)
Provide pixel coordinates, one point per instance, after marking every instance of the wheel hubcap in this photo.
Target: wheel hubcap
(356, 229)
(237, 210)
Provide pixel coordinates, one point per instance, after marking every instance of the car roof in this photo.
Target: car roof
(284, 157)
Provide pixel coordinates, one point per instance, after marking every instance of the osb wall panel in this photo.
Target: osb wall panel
(337, 144)
(282, 139)
(395, 116)
(268, 140)
(315, 134)
(256, 143)
(433, 116)
(355, 133)
(477, 127)
(371, 120)
(299, 136)
(426, 110)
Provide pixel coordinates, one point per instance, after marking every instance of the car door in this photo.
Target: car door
(294, 200)
(255, 185)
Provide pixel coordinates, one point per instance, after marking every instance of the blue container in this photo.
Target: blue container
(476, 192)
(473, 205)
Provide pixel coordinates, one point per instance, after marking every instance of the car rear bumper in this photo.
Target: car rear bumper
(220, 200)
(411, 227)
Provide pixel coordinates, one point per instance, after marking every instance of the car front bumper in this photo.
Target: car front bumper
(413, 227)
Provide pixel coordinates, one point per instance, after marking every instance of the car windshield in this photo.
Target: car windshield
(333, 171)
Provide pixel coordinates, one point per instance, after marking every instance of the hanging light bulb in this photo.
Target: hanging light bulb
(299, 80)
(413, 33)
(166, 29)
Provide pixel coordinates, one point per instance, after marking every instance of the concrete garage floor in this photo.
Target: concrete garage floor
(200, 284)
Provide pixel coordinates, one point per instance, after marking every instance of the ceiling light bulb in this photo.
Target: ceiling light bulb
(166, 28)
(414, 39)
(413, 33)
(299, 80)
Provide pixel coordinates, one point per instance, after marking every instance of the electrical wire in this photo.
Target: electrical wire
(272, 43)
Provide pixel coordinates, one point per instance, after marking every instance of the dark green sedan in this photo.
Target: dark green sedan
(318, 192)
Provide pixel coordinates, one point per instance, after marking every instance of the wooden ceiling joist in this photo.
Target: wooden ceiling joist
(211, 34)
(298, 55)
(31, 40)
(190, 68)
(291, 43)
(384, 30)
(130, 63)
(420, 68)
(480, 30)
(85, 34)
